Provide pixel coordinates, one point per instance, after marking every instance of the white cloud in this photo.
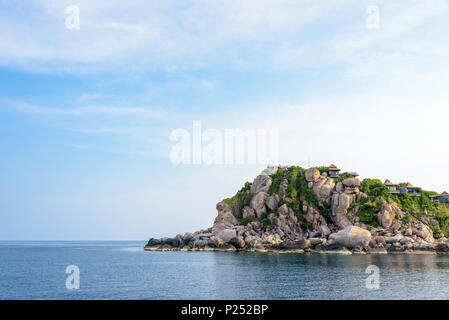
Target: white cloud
(125, 151)
(88, 111)
(168, 34)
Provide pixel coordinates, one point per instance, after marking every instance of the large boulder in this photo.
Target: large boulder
(262, 183)
(422, 231)
(386, 215)
(248, 211)
(237, 242)
(227, 234)
(340, 188)
(323, 188)
(353, 237)
(339, 211)
(283, 189)
(258, 203)
(225, 218)
(351, 183)
(189, 237)
(312, 175)
(344, 201)
(283, 210)
(294, 245)
(153, 242)
(272, 202)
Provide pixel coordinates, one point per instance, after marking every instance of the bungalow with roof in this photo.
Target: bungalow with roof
(354, 174)
(411, 190)
(443, 198)
(392, 188)
(333, 171)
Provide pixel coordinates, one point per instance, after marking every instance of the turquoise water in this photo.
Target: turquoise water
(122, 270)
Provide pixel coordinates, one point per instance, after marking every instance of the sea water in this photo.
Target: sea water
(123, 270)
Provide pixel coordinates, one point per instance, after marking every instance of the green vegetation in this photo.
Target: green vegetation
(442, 216)
(239, 200)
(247, 199)
(436, 231)
(306, 192)
(412, 204)
(277, 178)
(375, 188)
(322, 169)
(248, 219)
(408, 218)
(343, 176)
(416, 204)
(326, 212)
(292, 176)
(351, 206)
(264, 219)
(368, 212)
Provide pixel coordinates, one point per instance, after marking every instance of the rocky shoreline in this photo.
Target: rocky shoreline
(198, 242)
(292, 210)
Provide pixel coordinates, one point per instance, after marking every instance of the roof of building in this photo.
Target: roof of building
(409, 185)
(389, 183)
(445, 193)
(354, 174)
(333, 167)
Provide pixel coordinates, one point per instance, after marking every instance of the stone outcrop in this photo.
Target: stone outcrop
(248, 211)
(312, 175)
(322, 215)
(261, 184)
(387, 214)
(227, 234)
(323, 188)
(272, 202)
(258, 203)
(225, 218)
(353, 237)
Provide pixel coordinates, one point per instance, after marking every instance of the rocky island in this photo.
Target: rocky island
(291, 209)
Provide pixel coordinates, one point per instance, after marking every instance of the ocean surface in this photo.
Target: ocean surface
(122, 270)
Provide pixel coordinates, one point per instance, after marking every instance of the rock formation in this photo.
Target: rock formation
(290, 209)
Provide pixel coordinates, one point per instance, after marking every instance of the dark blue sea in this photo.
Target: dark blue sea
(123, 270)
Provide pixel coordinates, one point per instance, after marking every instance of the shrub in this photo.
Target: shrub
(442, 217)
(277, 179)
(326, 212)
(306, 192)
(409, 204)
(247, 199)
(436, 231)
(375, 188)
(368, 212)
(322, 169)
(248, 219)
(264, 219)
(295, 205)
(408, 218)
(292, 175)
(343, 176)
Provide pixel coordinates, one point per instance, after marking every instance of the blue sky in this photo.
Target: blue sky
(86, 114)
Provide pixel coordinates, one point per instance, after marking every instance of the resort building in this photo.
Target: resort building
(333, 171)
(443, 198)
(354, 174)
(411, 190)
(392, 188)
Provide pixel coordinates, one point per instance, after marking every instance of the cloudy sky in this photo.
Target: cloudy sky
(86, 114)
